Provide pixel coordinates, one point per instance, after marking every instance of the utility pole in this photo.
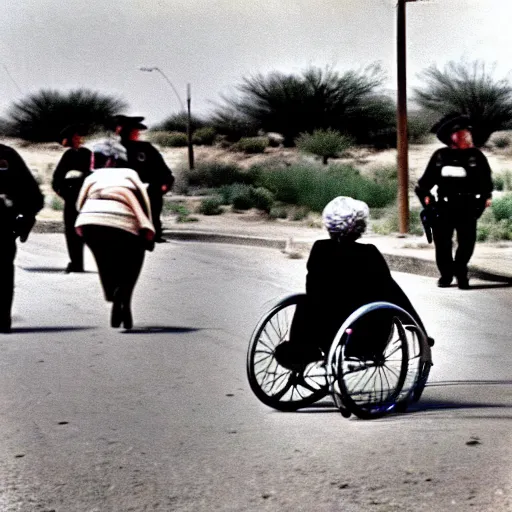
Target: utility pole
(401, 120)
(189, 132)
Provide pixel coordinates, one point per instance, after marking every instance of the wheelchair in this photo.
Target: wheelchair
(366, 378)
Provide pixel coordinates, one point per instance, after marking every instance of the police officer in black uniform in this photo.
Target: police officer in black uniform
(144, 158)
(68, 177)
(20, 200)
(464, 189)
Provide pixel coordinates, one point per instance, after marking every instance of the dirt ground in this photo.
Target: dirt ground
(42, 159)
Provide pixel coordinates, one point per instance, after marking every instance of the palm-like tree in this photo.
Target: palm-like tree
(468, 88)
(316, 99)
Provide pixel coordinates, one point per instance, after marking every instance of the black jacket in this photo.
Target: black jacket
(342, 276)
(469, 186)
(72, 160)
(144, 158)
(19, 191)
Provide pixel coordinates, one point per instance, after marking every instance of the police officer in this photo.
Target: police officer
(74, 166)
(144, 158)
(20, 200)
(464, 189)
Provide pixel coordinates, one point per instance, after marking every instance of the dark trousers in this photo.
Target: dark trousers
(7, 254)
(74, 242)
(157, 200)
(465, 227)
(119, 257)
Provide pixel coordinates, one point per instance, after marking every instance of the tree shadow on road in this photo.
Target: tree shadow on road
(159, 329)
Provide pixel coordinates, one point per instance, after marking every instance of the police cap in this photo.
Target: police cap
(449, 124)
(130, 122)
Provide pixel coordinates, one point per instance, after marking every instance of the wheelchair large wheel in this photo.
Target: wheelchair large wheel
(378, 361)
(274, 385)
(420, 363)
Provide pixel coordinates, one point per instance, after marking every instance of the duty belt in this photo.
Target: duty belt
(459, 195)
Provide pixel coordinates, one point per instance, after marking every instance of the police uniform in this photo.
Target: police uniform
(464, 184)
(144, 158)
(68, 177)
(20, 200)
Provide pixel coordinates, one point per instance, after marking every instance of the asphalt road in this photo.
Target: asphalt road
(162, 418)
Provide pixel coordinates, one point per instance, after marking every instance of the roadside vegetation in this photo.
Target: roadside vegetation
(328, 116)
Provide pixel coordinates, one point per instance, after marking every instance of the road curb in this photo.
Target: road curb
(396, 262)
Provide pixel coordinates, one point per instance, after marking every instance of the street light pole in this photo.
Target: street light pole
(154, 68)
(189, 131)
(401, 118)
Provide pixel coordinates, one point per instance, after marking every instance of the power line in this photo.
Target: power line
(12, 79)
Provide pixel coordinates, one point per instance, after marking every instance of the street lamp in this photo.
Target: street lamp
(158, 70)
(189, 121)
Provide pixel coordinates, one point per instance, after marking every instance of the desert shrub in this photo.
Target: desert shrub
(387, 221)
(502, 208)
(178, 123)
(499, 182)
(314, 186)
(251, 145)
(263, 199)
(180, 210)
(242, 197)
(278, 212)
(216, 174)
(56, 203)
(204, 136)
(323, 143)
(501, 141)
(40, 117)
(502, 181)
(297, 214)
(211, 206)
(169, 139)
(418, 128)
(490, 230)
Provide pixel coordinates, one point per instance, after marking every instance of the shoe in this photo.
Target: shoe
(127, 317)
(5, 324)
(293, 356)
(160, 240)
(116, 317)
(444, 282)
(73, 268)
(463, 283)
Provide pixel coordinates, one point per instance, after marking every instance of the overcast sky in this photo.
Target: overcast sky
(212, 44)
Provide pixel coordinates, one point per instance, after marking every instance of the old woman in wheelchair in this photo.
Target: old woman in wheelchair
(343, 275)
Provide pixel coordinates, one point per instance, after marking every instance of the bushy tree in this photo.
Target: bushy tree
(316, 99)
(468, 88)
(41, 116)
(323, 143)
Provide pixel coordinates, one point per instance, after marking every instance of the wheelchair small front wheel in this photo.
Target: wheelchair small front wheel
(276, 386)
